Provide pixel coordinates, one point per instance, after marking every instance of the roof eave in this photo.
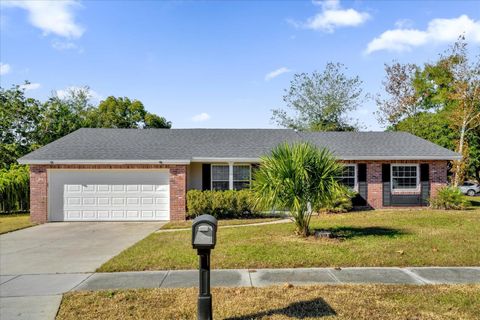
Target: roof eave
(107, 161)
(377, 158)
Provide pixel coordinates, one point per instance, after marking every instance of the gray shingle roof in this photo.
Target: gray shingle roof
(153, 145)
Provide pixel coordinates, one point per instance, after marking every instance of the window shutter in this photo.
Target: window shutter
(361, 197)
(386, 172)
(387, 194)
(424, 172)
(206, 176)
(425, 184)
(362, 172)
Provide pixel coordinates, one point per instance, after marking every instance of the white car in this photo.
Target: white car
(469, 188)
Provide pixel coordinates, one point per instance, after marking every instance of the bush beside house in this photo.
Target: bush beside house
(449, 198)
(221, 204)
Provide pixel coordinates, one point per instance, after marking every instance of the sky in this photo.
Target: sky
(219, 64)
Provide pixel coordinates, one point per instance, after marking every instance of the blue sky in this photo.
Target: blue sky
(220, 63)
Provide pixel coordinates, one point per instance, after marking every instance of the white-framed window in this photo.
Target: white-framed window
(242, 175)
(220, 176)
(405, 177)
(349, 176)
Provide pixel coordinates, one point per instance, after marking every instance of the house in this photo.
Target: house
(144, 174)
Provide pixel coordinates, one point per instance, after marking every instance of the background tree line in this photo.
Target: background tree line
(437, 101)
(27, 124)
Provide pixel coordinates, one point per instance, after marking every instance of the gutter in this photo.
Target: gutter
(116, 161)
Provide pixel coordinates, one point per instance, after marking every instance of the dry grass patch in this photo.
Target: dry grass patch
(229, 222)
(14, 222)
(374, 238)
(313, 302)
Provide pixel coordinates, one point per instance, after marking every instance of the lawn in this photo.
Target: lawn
(228, 222)
(371, 238)
(14, 222)
(315, 302)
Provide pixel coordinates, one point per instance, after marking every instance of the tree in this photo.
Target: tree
(63, 115)
(321, 101)
(120, 112)
(300, 178)
(402, 101)
(439, 102)
(19, 116)
(464, 98)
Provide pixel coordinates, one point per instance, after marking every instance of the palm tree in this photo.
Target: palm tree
(299, 178)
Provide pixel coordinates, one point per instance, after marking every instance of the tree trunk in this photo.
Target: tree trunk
(458, 165)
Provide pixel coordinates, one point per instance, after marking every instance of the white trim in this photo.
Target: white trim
(214, 160)
(211, 174)
(230, 166)
(380, 158)
(103, 161)
(417, 188)
(355, 165)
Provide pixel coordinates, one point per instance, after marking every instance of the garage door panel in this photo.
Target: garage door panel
(108, 195)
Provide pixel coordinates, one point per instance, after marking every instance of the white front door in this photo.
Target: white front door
(109, 195)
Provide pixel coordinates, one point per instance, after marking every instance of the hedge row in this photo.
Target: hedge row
(221, 204)
(14, 189)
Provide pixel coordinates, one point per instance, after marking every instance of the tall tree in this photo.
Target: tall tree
(402, 101)
(121, 112)
(19, 116)
(321, 101)
(464, 98)
(439, 102)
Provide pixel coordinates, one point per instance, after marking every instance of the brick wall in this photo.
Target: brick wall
(438, 178)
(39, 187)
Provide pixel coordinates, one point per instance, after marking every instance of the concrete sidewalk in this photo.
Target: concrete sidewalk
(43, 291)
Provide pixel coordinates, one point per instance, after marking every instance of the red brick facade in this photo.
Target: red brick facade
(437, 174)
(178, 184)
(39, 187)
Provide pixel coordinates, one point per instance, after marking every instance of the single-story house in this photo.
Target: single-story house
(144, 174)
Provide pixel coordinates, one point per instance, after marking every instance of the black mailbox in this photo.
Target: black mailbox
(204, 232)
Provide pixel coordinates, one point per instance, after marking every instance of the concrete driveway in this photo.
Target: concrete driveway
(68, 247)
(38, 264)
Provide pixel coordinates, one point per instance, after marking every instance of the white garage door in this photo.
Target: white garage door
(109, 195)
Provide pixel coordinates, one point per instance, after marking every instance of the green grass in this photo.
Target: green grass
(362, 302)
(475, 201)
(372, 238)
(14, 222)
(229, 222)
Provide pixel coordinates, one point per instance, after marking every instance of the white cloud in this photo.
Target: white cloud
(54, 17)
(438, 31)
(333, 16)
(4, 68)
(30, 86)
(201, 117)
(64, 93)
(275, 73)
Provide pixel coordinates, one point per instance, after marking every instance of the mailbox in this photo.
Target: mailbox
(204, 232)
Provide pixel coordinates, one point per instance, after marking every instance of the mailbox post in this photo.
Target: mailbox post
(204, 237)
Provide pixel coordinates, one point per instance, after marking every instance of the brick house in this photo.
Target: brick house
(142, 175)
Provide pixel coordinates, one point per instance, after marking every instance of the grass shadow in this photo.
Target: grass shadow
(298, 310)
(354, 232)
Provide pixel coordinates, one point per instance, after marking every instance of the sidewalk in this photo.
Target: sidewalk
(33, 291)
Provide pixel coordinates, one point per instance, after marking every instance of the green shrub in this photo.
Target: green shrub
(449, 198)
(340, 202)
(14, 189)
(221, 204)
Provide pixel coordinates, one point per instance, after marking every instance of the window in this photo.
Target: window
(349, 177)
(221, 176)
(405, 177)
(241, 177)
